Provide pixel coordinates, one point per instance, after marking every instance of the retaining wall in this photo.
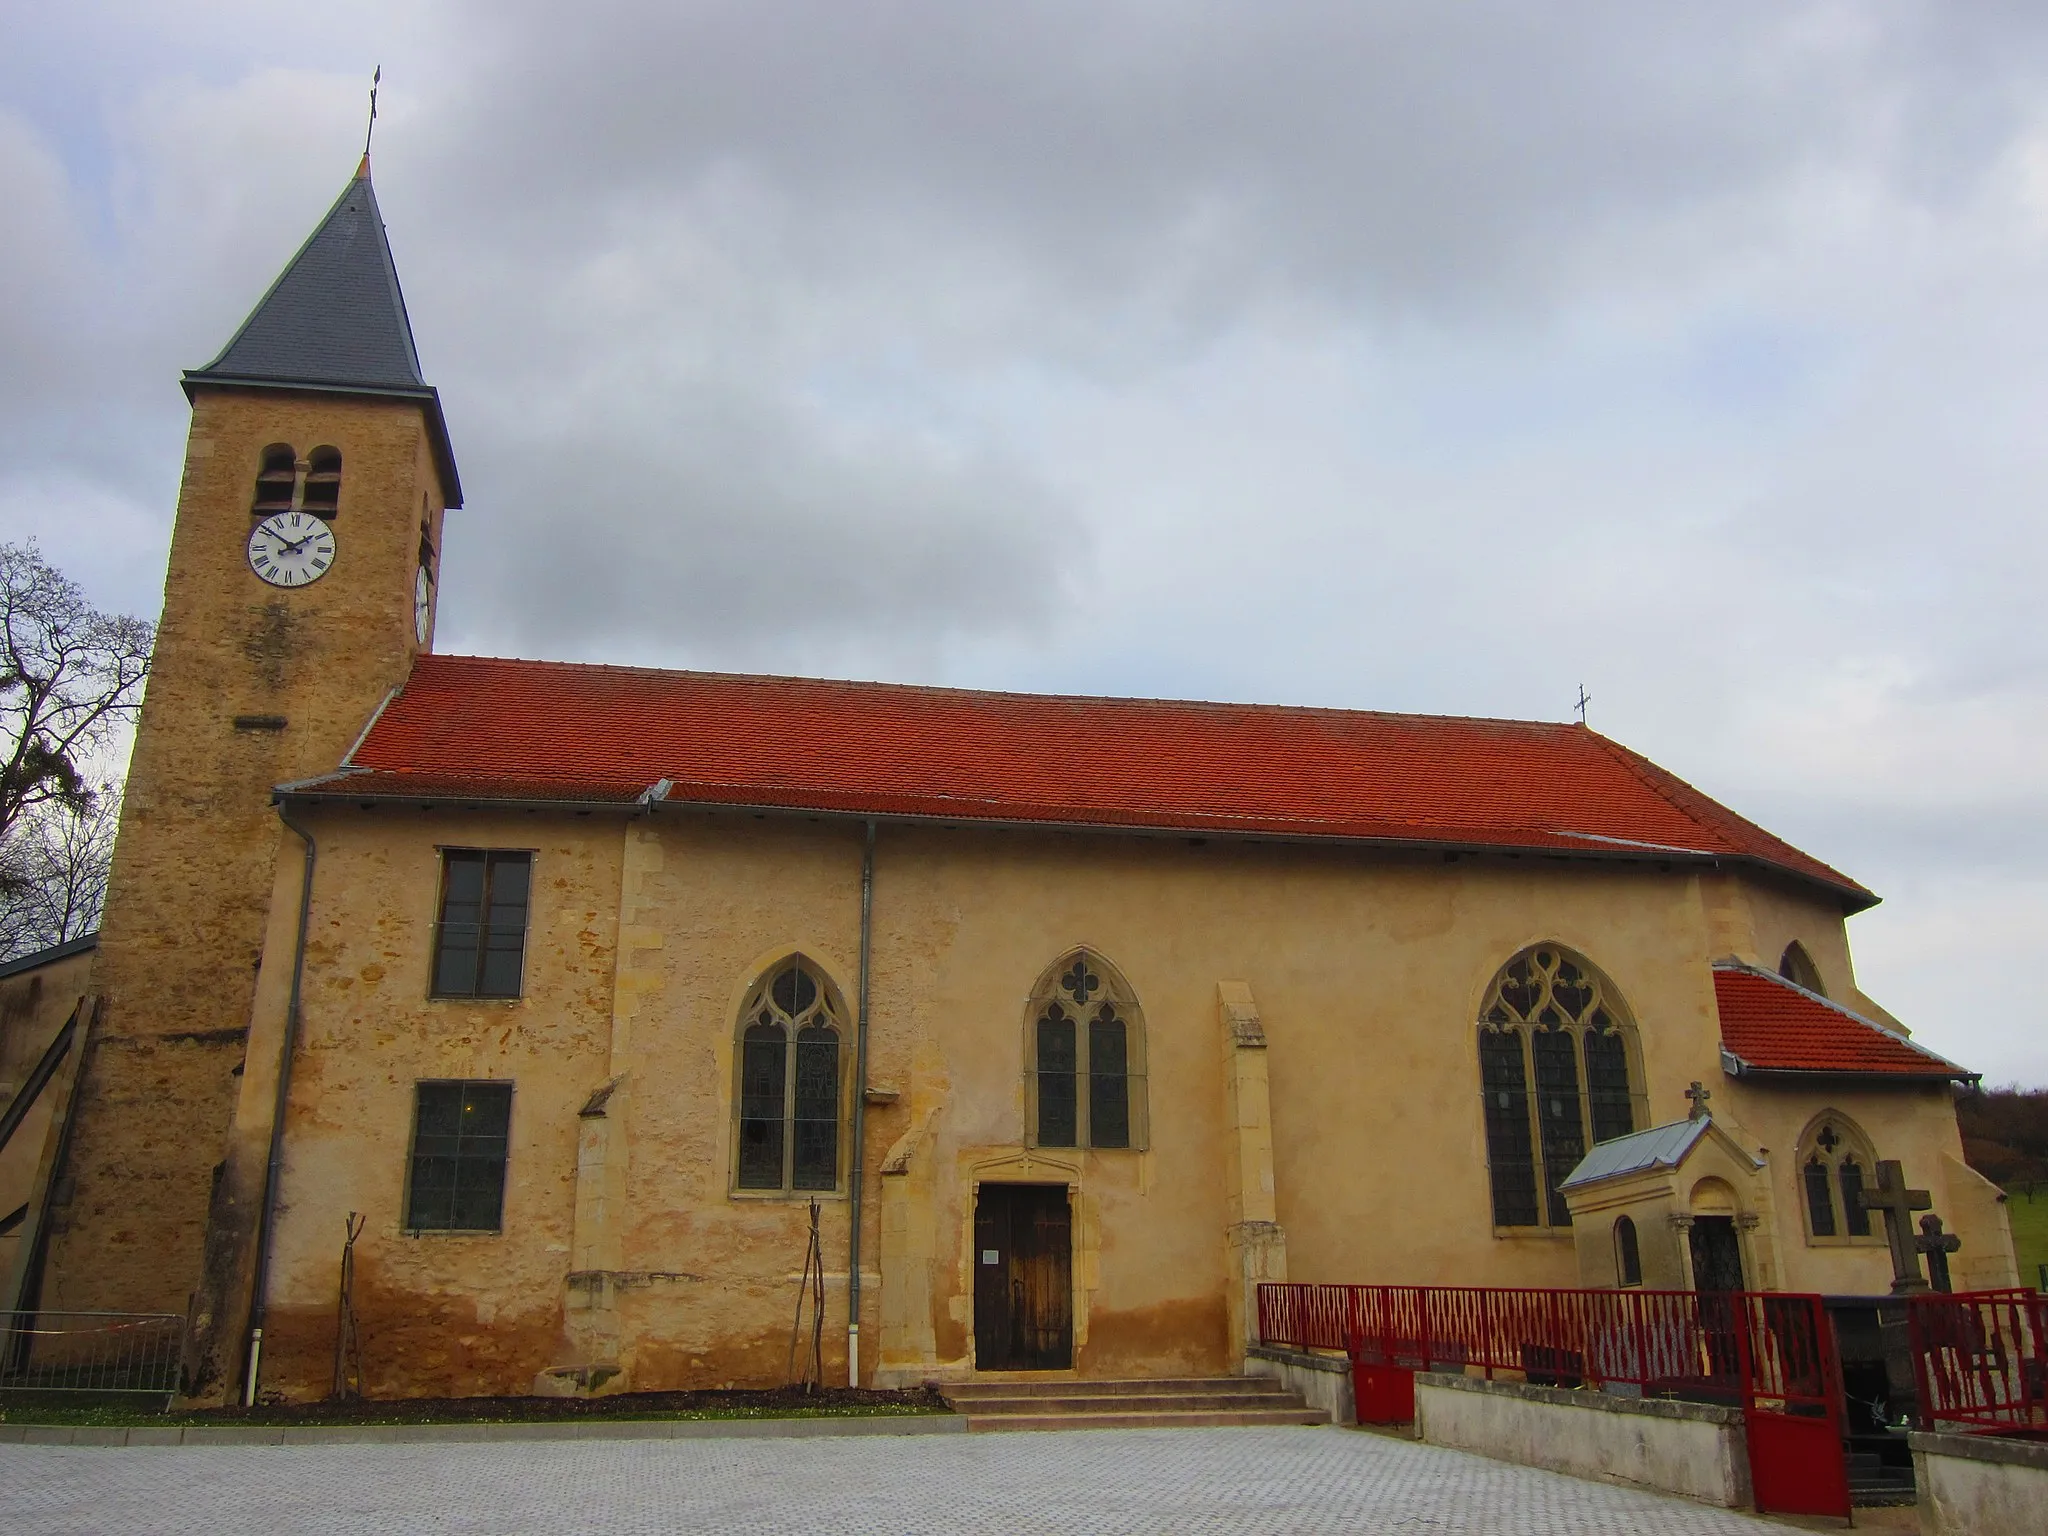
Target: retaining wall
(1324, 1380)
(1692, 1449)
(1980, 1485)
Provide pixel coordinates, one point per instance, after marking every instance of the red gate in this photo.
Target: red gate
(1791, 1401)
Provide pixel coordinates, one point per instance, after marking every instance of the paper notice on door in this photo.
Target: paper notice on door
(990, 1256)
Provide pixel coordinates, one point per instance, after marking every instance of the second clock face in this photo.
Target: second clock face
(291, 549)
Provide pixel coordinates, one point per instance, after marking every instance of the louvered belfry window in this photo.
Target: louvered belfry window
(1085, 1054)
(277, 481)
(323, 482)
(790, 1080)
(1555, 1078)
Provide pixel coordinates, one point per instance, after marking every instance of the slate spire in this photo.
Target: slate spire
(335, 321)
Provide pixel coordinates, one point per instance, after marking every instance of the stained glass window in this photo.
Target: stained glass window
(1820, 1204)
(790, 1084)
(1086, 1071)
(1555, 1078)
(1854, 1217)
(1833, 1158)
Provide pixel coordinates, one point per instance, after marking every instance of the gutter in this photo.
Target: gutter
(860, 1105)
(266, 1214)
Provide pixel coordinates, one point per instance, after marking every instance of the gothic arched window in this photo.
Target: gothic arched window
(1085, 1055)
(1556, 1047)
(1836, 1163)
(791, 1036)
(323, 482)
(277, 480)
(1797, 967)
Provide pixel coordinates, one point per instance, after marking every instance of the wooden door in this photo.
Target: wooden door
(1023, 1278)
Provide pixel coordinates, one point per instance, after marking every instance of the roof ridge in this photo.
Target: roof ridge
(954, 690)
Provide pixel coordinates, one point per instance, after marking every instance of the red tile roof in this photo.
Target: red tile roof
(474, 728)
(1770, 1025)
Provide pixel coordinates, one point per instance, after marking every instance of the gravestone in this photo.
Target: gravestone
(1937, 1245)
(1897, 1204)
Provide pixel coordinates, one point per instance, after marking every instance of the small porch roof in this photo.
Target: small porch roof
(1661, 1146)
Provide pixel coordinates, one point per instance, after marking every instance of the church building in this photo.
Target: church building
(1071, 1018)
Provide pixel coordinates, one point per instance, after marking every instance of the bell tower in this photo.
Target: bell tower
(302, 582)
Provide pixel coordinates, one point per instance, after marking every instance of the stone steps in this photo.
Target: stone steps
(1179, 1402)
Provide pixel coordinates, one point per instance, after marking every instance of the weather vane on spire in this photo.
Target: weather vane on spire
(372, 129)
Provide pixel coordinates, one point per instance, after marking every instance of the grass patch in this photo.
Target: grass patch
(129, 1410)
(2028, 1211)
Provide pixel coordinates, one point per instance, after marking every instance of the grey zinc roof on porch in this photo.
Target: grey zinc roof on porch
(1661, 1146)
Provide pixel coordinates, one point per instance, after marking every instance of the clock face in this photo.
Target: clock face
(291, 549)
(422, 604)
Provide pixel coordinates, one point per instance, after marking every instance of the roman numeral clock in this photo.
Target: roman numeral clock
(291, 549)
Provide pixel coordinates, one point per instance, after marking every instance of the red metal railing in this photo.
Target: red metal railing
(1770, 1353)
(1982, 1359)
(1656, 1340)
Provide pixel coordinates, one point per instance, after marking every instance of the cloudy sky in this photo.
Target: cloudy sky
(1399, 356)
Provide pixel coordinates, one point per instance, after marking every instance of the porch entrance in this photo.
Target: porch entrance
(1023, 1278)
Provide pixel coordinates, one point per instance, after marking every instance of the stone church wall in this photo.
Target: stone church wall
(624, 1244)
(192, 875)
(438, 1312)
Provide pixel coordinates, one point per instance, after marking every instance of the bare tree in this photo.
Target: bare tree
(70, 676)
(53, 872)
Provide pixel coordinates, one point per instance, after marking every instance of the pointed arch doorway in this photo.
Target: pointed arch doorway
(1023, 1278)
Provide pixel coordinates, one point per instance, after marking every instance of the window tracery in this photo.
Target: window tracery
(1551, 1020)
(1085, 1055)
(1835, 1163)
(788, 1110)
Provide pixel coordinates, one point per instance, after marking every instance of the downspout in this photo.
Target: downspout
(860, 1105)
(266, 1215)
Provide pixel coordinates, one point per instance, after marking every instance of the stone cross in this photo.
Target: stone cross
(1699, 1097)
(1937, 1245)
(1898, 1203)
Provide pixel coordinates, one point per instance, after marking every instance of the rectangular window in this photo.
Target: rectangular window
(480, 940)
(459, 1139)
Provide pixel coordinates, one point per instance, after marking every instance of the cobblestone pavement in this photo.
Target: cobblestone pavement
(1189, 1482)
